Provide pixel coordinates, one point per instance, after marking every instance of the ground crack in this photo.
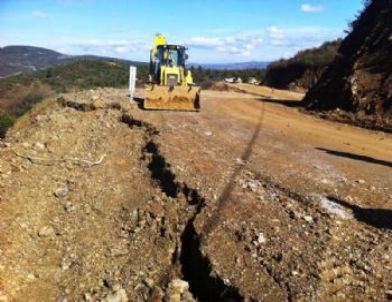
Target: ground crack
(196, 268)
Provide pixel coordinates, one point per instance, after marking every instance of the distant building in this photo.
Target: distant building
(233, 80)
(253, 81)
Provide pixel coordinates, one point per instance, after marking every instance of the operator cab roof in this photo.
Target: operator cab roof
(171, 46)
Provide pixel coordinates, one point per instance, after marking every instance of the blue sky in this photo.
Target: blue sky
(215, 31)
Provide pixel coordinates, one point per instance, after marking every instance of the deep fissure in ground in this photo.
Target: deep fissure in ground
(196, 268)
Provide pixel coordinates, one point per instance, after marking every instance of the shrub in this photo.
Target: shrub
(6, 121)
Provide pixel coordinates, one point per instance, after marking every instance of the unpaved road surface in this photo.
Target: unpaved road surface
(248, 200)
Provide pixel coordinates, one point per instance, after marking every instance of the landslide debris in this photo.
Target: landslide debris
(357, 86)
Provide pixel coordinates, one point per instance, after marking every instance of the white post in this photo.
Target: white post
(132, 81)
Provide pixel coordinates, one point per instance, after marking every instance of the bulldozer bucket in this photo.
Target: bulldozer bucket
(183, 98)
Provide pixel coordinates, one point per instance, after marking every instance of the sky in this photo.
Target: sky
(215, 31)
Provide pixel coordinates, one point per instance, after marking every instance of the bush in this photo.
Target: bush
(6, 121)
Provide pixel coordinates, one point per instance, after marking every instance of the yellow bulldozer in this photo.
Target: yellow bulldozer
(170, 85)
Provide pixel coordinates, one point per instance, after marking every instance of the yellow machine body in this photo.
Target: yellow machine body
(171, 87)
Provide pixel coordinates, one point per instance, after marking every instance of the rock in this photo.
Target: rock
(65, 263)
(69, 207)
(98, 103)
(180, 285)
(24, 225)
(117, 252)
(261, 239)
(3, 298)
(157, 295)
(88, 297)
(135, 215)
(149, 282)
(240, 161)
(308, 218)
(176, 297)
(31, 276)
(62, 191)
(178, 290)
(39, 146)
(45, 231)
(118, 296)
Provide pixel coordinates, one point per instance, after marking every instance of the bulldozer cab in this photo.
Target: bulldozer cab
(171, 55)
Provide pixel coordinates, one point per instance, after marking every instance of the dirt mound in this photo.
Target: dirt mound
(359, 81)
(220, 86)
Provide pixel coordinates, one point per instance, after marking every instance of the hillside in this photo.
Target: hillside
(20, 92)
(27, 59)
(359, 80)
(14, 59)
(303, 70)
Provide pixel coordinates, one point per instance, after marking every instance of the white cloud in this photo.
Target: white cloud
(241, 44)
(307, 8)
(40, 14)
(275, 32)
(120, 46)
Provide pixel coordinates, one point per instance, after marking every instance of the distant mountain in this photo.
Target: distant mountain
(25, 59)
(234, 66)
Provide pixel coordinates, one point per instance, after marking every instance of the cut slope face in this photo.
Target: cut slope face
(359, 80)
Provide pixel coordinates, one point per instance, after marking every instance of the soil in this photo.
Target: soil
(358, 83)
(248, 200)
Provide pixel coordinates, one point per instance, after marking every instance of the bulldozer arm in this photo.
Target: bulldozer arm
(183, 98)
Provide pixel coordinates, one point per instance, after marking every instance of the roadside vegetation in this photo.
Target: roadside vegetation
(303, 69)
(21, 92)
(207, 77)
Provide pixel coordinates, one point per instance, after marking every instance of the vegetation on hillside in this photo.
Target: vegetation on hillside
(19, 93)
(207, 77)
(303, 69)
(359, 81)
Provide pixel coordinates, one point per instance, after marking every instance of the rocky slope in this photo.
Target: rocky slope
(359, 81)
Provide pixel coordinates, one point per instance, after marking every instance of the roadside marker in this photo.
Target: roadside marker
(132, 81)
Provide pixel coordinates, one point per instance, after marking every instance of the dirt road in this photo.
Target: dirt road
(250, 199)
